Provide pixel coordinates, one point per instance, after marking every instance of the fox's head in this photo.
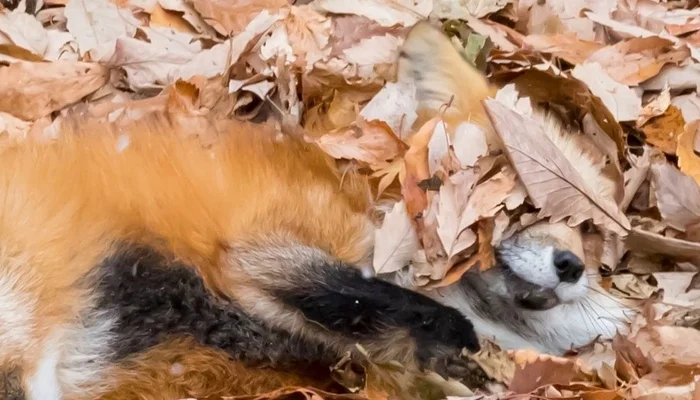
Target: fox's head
(543, 265)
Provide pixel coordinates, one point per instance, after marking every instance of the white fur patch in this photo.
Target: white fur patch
(44, 384)
(74, 360)
(16, 313)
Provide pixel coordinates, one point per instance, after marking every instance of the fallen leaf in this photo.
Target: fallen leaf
(689, 104)
(623, 102)
(34, 90)
(386, 13)
(635, 60)
(535, 370)
(97, 24)
(395, 104)
(636, 175)
(655, 107)
(663, 131)
(651, 243)
(395, 242)
(372, 142)
(24, 31)
(688, 155)
(564, 45)
(460, 9)
(552, 182)
(677, 195)
(230, 18)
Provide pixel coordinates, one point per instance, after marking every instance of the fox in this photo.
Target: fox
(137, 262)
(543, 293)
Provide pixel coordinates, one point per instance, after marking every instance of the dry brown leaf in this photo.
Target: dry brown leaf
(656, 107)
(534, 370)
(688, 154)
(689, 104)
(396, 105)
(417, 169)
(97, 24)
(663, 131)
(33, 90)
(24, 31)
(564, 45)
(230, 18)
(636, 175)
(461, 9)
(452, 201)
(677, 195)
(190, 15)
(395, 242)
(623, 102)
(309, 35)
(386, 13)
(636, 60)
(160, 17)
(653, 243)
(552, 182)
(372, 142)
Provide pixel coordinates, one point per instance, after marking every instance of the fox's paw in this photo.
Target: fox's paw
(441, 334)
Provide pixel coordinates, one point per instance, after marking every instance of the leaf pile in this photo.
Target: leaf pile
(623, 73)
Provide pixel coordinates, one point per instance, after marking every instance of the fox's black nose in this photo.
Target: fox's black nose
(569, 266)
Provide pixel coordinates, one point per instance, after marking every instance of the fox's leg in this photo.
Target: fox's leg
(303, 290)
(181, 368)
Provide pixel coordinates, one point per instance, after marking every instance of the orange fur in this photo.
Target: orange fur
(67, 203)
(180, 369)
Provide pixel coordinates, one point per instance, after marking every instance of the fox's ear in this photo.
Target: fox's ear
(430, 60)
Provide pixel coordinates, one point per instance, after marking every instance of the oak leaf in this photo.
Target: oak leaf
(32, 90)
(552, 182)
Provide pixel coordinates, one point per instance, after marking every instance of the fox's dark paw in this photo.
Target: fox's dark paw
(440, 335)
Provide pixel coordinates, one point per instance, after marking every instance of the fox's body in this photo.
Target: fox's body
(136, 263)
(115, 244)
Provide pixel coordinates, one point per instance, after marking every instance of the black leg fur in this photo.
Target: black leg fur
(155, 298)
(340, 299)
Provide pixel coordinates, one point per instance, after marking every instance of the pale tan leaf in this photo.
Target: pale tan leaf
(564, 45)
(688, 159)
(230, 18)
(149, 65)
(190, 15)
(33, 90)
(217, 59)
(657, 106)
(372, 142)
(689, 104)
(24, 31)
(459, 9)
(553, 183)
(395, 242)
(638, 59)
(395, 104)
(386, 13)
(636, 175)
(374, 50)
(677, 195)
(651, 243)
(623, 102)
(488, 197)
(97, 24)
(452, 202)
(309, 35)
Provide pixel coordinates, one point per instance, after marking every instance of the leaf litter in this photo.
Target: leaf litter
(624, 73)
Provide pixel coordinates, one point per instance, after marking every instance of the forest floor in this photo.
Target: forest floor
(625, 72)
